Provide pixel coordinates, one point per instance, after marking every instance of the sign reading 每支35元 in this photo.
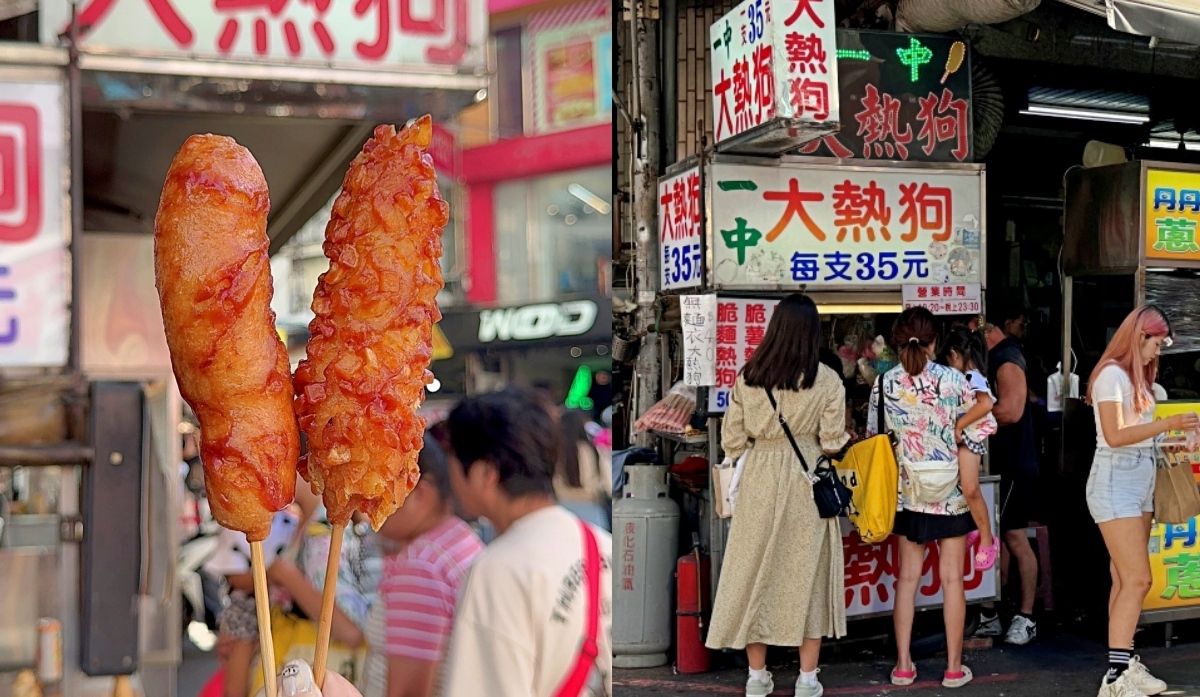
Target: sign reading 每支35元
(829, 226)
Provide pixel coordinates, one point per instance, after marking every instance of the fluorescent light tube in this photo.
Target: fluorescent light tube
(603, 207)
(1086, 114)
(860, 309)
(1172, 144)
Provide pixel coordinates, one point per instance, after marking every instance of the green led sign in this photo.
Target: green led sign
(914, 57)
(577, 397)
(850, 54)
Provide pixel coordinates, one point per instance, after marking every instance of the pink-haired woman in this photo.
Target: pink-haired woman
(1120, 488)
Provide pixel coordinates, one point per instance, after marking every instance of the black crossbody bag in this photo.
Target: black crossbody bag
(829, 493)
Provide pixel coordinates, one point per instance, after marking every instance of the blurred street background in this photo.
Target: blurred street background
(96, 97)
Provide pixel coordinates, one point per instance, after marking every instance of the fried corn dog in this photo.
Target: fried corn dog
(370, 344)
(214, 285)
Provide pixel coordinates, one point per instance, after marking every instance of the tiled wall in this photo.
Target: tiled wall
(694, 81)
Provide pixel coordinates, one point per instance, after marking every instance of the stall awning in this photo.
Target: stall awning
(1171, 20)
(301, 85)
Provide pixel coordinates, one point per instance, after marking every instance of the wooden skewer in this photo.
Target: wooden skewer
(262, 603)
(325, 625)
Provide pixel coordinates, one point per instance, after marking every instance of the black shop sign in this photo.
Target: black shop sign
(903, 97)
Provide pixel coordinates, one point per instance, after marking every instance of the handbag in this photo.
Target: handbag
(1176, 499)
(727, 478)
(829, 492)
(931, 481)
(869, 469)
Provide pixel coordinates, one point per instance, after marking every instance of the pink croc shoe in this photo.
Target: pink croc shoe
(985, 558)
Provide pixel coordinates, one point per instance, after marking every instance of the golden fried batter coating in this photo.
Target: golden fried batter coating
(214, 284)
(358, 391)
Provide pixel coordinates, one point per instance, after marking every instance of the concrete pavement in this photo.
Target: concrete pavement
(1062, 666)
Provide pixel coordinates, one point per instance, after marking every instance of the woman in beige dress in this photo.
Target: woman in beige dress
(782, 578)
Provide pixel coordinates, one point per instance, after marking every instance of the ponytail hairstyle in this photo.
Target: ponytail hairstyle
(968, 344)
(912, 334)
(1125, 352)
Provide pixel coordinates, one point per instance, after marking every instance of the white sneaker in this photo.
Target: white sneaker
(1141, 678)
(760, 688)
(989, 627)
(814, 690)
(1022, 631)
(1121, 687)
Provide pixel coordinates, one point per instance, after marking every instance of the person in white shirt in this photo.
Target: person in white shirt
(1120, 487)
(534, 618)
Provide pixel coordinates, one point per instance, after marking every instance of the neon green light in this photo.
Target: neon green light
(850, 54)
(577, 397)
(914, 57)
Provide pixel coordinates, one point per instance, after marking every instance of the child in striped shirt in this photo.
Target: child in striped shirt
(410, 623)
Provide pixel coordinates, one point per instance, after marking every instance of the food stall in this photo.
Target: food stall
(864, 241)
(1130, 239)
(889, 215)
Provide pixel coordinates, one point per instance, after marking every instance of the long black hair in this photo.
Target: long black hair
(968, 344)
(789, 352)
(572, 433)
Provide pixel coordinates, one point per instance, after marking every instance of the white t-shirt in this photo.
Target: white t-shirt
(979, 383)
(1113, 385)
(521, 613)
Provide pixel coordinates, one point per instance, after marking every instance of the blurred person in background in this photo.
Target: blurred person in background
(296, 555)
(534, 618)
(580, 484)
(410, 624)
(601, 393)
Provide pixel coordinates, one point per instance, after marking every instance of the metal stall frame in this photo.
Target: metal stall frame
(829, 301)
(1122, 263)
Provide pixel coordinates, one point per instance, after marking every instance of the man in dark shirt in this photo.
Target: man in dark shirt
(1013, 455)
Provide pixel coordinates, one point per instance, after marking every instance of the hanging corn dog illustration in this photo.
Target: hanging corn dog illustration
(954, 61)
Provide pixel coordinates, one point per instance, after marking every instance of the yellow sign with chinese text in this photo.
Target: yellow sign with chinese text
(1174, 566)
(1167, 409)
(1172, 215)
(1175, 549)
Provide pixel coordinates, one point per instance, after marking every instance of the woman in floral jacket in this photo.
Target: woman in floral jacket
(923, 402)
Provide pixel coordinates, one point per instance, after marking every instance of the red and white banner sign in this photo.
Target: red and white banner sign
(34, 323)
(741, 325)
(366, 32)
(679, 232)
(774, 59)
(946, 299)
(871, 570)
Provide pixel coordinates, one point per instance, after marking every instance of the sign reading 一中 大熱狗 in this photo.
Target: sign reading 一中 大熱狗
(774, 65)
(830, 227)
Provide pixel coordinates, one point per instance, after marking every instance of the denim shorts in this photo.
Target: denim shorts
(1121, 484)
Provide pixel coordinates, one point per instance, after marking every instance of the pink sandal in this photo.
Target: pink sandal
(985, 557)
(904, 677)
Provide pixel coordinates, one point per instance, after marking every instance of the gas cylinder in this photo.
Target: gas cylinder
(692, 609)
(645, 532)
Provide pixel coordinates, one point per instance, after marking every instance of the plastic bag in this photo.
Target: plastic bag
(672, 413)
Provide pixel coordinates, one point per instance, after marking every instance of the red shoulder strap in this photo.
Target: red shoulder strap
(586, 660)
